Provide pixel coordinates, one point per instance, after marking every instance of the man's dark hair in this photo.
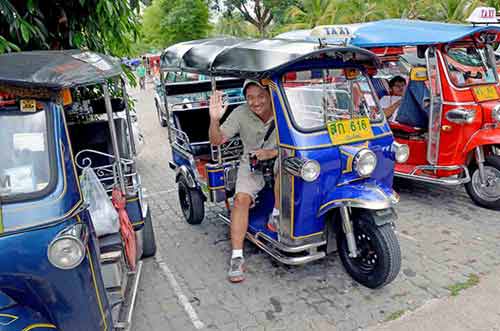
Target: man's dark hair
(396, 79)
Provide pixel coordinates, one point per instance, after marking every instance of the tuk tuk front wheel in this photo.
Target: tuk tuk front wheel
(149, 245)
(485, 195)
(191, 201)
(379, 255)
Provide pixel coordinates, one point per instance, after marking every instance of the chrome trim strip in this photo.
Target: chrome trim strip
(452, 103)
(289, 249)
(277, 255)
(443, 181)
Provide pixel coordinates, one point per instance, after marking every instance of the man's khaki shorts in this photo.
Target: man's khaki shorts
(249, 182)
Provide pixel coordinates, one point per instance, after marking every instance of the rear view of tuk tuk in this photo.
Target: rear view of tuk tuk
(449, 112)
(336, 152)
(65, 112)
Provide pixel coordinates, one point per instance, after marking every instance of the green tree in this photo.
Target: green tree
(107, 26)
(235, 25)
(310, 13)
(166, 22)
(452, 11)
(186, 20)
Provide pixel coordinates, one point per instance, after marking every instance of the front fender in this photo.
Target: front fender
(488, 136)
(364, 196)
(14, 317)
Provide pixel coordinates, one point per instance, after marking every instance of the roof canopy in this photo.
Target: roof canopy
(56, 69)
(251, 58)
(393, 32)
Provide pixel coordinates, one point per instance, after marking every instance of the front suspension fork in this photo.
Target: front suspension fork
(349, 232)
(479, 153)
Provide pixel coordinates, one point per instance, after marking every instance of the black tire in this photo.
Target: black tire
(485, 198)
(161, 120)
(379, 259)
(149, 244)
(192, 204)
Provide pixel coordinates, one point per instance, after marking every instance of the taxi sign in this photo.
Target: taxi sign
(340, 33)
(349, 131)
(483, 15)
(28, 105)
(485, 93)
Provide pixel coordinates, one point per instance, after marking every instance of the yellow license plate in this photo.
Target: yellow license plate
(348, 131)
(485, 93)
(28, 105)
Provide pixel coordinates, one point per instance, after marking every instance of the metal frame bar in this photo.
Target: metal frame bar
(277, 253)
(114, 139)
(443, 181)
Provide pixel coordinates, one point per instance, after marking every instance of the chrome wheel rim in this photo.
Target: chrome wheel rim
(490, 191)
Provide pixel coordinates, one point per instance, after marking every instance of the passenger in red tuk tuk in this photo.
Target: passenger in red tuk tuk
(254, 123)
(390, 103)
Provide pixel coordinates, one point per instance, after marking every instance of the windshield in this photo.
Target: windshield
(327, 94)
(24, 165)
(469, 65)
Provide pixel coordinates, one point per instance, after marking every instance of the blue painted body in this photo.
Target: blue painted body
(338, 181)
(31, 288)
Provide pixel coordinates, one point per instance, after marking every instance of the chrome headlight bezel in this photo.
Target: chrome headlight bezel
(401, 152)
(362, 157)
(495, 113)
(461, 116)
(302, 167)
(75, 237)
(310, 171)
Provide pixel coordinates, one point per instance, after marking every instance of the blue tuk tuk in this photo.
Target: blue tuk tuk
(336, 151)
(60, 112)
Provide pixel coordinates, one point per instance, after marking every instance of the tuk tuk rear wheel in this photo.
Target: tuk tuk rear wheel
(485, 196)
(379, 255)
(149, 244)
(191, 201)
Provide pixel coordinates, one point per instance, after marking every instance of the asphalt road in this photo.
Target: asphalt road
(444, 240)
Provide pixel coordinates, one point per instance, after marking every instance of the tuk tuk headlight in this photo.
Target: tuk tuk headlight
(461, 116)
(67, 250)
(365, 162)
(401, 152)
(495, 114)
(308, 170)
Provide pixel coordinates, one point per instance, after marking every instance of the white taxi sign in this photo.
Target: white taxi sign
(340, 32)
(483, 15)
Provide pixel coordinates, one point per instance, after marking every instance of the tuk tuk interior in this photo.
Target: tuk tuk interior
(63, 111)
(310, 86)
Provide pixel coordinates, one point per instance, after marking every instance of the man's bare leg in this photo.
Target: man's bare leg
(239, 219)
(239, 226)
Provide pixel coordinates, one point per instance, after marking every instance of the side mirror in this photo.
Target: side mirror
(418, 74)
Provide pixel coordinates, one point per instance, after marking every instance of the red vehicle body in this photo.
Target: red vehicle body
(460, 144)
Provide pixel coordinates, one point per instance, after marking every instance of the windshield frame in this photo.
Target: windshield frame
(445, 55)
(51, 146)
(322, 128)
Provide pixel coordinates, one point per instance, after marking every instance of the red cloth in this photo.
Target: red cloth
(126, 228)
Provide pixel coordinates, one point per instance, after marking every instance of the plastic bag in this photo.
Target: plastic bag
(104, 215)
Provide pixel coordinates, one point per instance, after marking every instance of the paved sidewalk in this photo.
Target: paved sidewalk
(477, 308)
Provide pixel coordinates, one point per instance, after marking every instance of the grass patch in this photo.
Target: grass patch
(455, 289)
(395, 315)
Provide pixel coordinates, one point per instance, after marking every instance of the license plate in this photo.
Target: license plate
(28, 105)
(348, 131)
(485, 93)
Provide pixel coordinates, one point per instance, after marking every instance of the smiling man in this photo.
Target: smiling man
(253, 121)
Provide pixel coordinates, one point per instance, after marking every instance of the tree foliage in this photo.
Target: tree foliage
(107, 26)
(166, 22)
